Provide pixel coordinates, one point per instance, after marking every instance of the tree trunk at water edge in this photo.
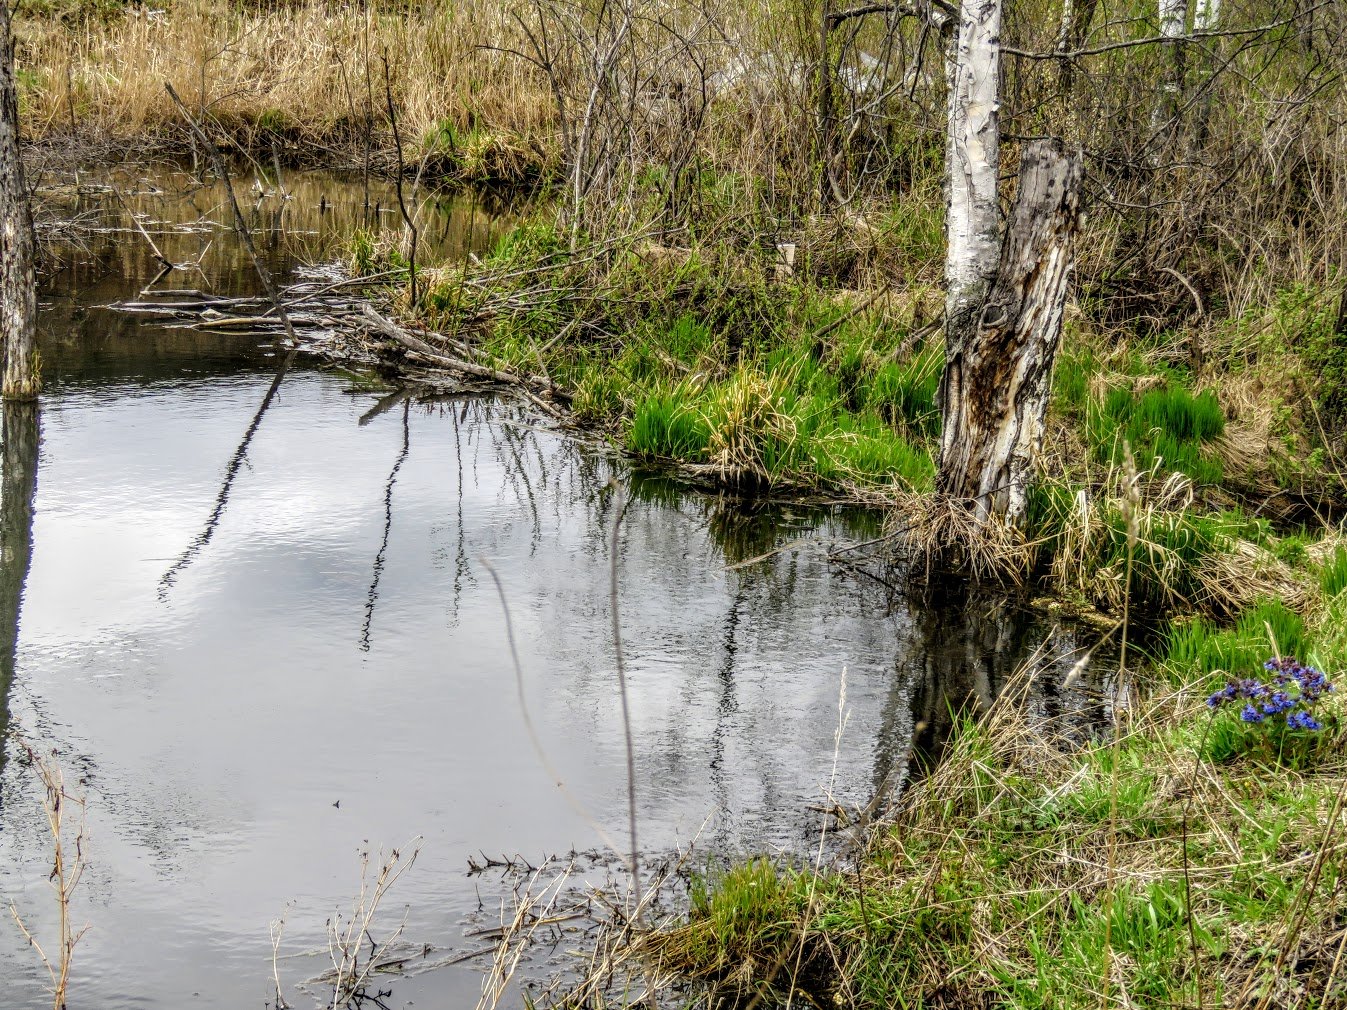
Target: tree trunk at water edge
(998, 366)
(18, 290)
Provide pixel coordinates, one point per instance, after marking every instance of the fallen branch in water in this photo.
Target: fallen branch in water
(240, 225)
(531, 387)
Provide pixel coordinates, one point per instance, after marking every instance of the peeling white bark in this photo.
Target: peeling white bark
(1064, 26)
(972, 225)
(1173, 14)
(1206, 14)
(1173, 25)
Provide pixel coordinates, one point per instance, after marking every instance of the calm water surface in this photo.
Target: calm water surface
(253, 678)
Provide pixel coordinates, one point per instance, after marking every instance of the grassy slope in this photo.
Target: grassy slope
(1190, 861)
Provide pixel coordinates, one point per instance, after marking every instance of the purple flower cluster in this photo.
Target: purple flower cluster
(1288, 694)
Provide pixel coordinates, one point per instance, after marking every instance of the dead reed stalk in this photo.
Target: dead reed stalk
(353, 968)
(68, 865)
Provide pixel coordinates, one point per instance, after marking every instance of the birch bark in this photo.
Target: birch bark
(1173, 22)
(972, 155)
(1002, 369)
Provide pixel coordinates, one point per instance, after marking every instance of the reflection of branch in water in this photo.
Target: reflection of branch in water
(231, 472)
(516, 474)
(385, 404)
(17, 485)
(728, 703)
(388, 525)
(461, 558)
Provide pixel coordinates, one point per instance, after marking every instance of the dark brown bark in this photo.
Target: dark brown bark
(998, 367)
(1070, 37)
(18, 292)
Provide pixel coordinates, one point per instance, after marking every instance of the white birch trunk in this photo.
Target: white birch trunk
(1173, 24)
(972, 225)
(1064, 26)
(1173, 14)
(972, 221)
(1206, 14)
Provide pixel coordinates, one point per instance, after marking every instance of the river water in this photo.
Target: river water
(257, 656)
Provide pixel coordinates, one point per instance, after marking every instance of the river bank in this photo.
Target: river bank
(1192, 854)
(1186, 859)
(258, 631)
(729, 305)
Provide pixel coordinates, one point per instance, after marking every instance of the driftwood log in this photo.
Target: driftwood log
(998, 369)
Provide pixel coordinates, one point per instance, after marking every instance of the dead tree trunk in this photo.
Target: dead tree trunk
(18, 293)
(998, 366)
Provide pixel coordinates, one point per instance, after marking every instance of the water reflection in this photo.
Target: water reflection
(227, 684)
(231, 473)
(966, 645)
(378, 567)
(190, 223)
(18, 484)
(275, 680)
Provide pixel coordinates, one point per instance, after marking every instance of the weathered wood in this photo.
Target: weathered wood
(998, 370)
(18, 290)
(419, 350)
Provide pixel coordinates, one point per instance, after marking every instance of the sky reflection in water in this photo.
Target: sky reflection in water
(336, 639)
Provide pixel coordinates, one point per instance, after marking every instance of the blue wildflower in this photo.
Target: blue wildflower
(1286, 696)
(1303, 720)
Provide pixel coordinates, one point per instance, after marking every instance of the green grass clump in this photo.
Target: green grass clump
(1075, 367)
(1166, 424)
(667, 426)
(773, 421)
(741, 922)
(1204, 647)
(1333, 573)
(692, 359)
(367, 255)
(1084, 538)
(747, 903)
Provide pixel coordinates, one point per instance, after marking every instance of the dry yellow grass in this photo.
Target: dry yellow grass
(313, 71)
